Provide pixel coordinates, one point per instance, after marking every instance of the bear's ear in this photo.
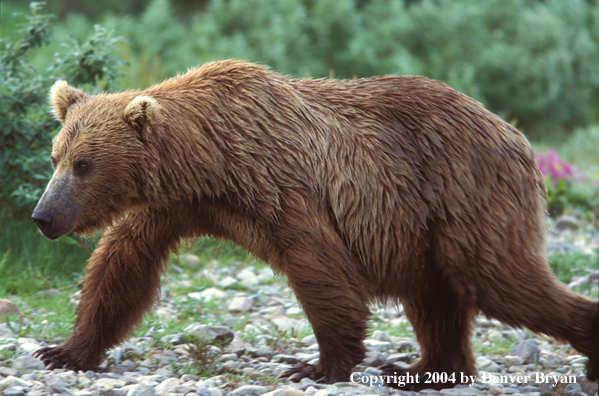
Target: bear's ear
(63, 96)
(140, 112)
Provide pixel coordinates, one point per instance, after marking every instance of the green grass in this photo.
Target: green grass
(49, 318)
(29, 262)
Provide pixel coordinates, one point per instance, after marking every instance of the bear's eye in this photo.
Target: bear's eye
(53, 160)
(82, 167)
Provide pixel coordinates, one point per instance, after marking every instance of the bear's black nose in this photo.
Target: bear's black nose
(42, 218)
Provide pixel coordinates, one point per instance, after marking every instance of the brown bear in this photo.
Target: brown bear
(388, 188)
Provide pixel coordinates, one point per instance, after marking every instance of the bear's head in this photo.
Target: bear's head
(100, 159)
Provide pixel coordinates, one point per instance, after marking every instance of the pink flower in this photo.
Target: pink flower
(551, 166)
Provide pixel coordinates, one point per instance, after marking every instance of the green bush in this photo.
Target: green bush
(26, 128)
(531, 61)
(534, 62)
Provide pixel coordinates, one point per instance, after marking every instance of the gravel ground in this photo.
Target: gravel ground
(276, 336)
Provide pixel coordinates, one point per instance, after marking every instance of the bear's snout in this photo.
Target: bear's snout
(43, 219)
(57, 211)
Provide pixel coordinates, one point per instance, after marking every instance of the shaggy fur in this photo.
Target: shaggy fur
(384, 188)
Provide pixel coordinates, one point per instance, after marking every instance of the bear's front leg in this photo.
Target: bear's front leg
(121, 283)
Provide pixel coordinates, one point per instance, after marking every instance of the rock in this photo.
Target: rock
(189, 260)
(289, 359)
(249, 390)
(83, 392)
(123, 367)
(240, 304)
(331, 390)
(510, 360)
(143, 391)
(305, 383)
(189, 377)
(14, 391)
(48, 293)
(229, 357)
(116, 354)
(168, 385)
(546, 389)
(276, 392)
(467, 391)
(111, 382)
(12, 381)
(212, 334)
(209, 294)
(264, 351)
(289, 324)
(567, 223)
(405, 346)
(381, 336)
(309, 340)
(227, 281)
(289, 391)
(8, 347)
(7, 371)
(573, 390)
(248, 278)
(293, 311)
(8, 308)
(380, 345)
(56, 383)
(399, 357)
(265, 274)
(29, 347)
(5, 331)
(550, 361)
(374, 358)
(591, 388)
(482, 362)
(580, 360)
(527, 350)
(28, 363)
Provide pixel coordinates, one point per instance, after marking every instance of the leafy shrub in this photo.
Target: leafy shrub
(26, 128)
(527, 60)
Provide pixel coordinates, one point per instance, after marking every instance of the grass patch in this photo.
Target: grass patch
(493, 345)
(29, 262)
(204, 358)
(48, 318)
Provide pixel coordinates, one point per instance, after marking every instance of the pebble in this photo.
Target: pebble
(249, 390)
(28, 363)
(510, 360)
(527, 350)
(240, 304)
(211, 334)
(209, 294)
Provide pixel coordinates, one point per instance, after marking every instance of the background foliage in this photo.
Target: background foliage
(26, 129)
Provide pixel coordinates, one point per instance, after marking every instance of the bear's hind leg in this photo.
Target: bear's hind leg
(442, 322)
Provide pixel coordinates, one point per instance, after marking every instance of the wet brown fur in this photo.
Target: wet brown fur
(391, 187)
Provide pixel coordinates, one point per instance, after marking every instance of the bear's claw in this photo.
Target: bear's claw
(56, 357)
(48, 356)
(296, 374)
